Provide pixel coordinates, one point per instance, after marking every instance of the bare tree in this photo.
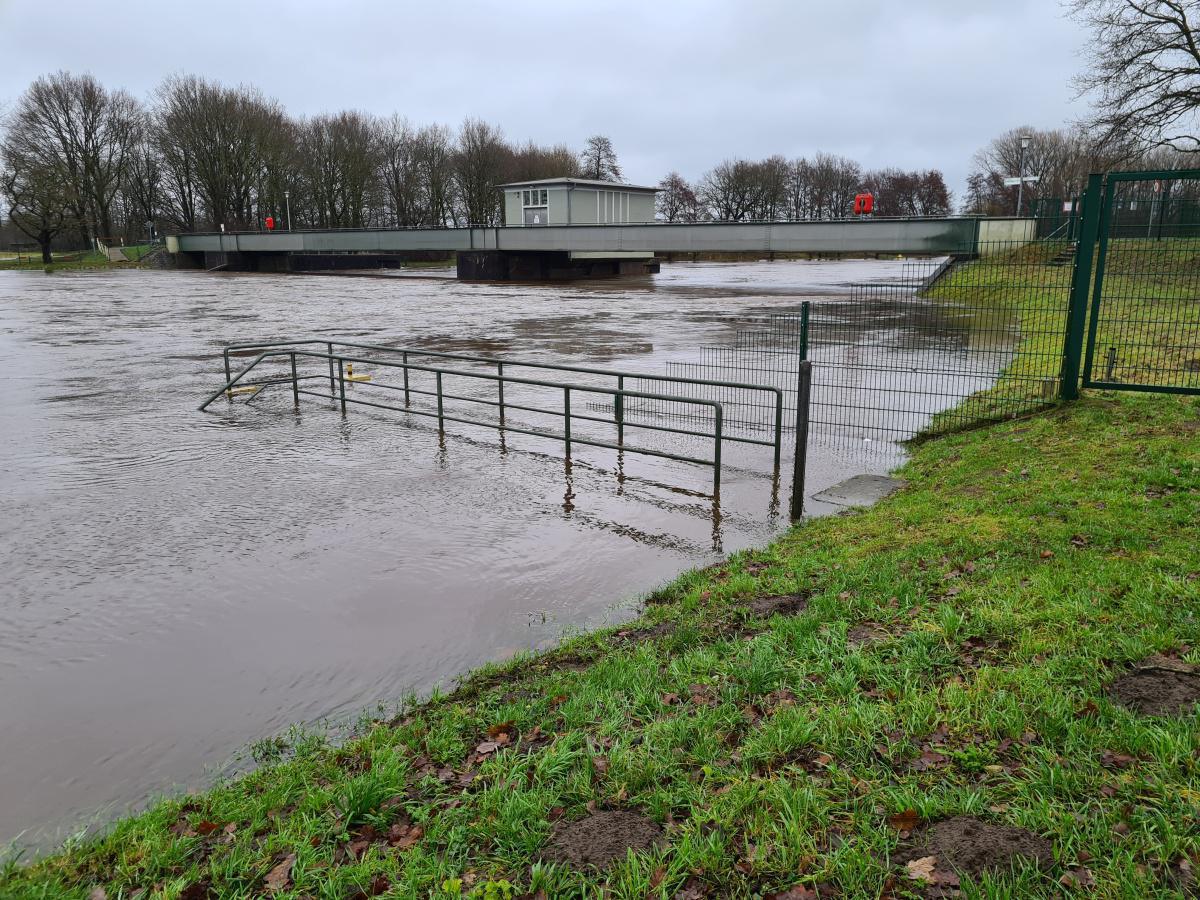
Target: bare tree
(599, 160)
(226, 151)
(731, 190)
(37, 201)
(435, 144)
(902, 193)
(340, 157)
(676, 200)
(532, 162)
(481, 160)
(1059, 158)
(1145, 70)
(142, 191)
(73, 125)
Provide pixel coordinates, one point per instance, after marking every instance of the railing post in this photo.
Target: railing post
(717, 415)
(329, 344)
(500, 382)
(567, 418)
(1081, 279)
(342, 381)
(295, 382)
(441, 423)
(404, 360)
(228, 375)
(804, 314)
(778, 427)
(800, 458)
(619, 410)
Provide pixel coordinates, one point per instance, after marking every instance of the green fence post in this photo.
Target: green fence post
(1081, 279)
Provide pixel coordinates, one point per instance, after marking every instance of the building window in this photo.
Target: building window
(539, 197)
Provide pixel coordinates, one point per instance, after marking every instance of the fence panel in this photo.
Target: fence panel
(1144, 326)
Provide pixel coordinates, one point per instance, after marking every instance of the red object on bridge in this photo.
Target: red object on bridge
(270, 223)
(863, 204)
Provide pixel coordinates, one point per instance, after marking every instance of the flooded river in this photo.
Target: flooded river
(177, 584)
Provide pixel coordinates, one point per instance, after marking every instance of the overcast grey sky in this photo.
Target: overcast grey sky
(675, 84)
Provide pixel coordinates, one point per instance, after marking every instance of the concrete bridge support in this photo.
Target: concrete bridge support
(506, 265)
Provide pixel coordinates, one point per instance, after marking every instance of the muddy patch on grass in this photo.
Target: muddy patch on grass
(866, 633)
(1158, 686)
(645, 633)
(776, 604)
(965, 845)
(600, 839)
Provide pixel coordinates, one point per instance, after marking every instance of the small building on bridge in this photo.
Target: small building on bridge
(576, 201)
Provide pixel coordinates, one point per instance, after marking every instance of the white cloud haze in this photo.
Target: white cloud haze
(675, 84)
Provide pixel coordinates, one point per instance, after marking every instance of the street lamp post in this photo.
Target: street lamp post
(1021, 172)
(287, 201)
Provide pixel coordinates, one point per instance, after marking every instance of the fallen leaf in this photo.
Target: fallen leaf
(795, 892)
(670, 699)
(487, 747)
(922, 869)
(600, 764)
(694, 889)
(407, 838)
(280, 877)
(1088, 709)
(206, 828)
(657, 877)
(502, 733)
(1078, 878)
(1047, 554)
(1111, 760)
(98, 894)
(904, 821)
(200, 890)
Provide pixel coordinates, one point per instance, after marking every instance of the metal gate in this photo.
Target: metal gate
(1143, 324)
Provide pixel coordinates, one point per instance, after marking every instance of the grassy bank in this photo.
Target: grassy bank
(947, 652)
(74, 260)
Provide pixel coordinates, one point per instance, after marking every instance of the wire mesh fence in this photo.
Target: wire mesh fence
(954, 342)
(1144, 329)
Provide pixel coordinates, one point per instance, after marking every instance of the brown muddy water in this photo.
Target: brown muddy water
(178, 584)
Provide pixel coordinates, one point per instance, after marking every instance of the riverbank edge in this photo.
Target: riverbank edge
(1021, 570)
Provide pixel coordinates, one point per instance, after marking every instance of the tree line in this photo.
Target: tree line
(80, 159)
(777, 189)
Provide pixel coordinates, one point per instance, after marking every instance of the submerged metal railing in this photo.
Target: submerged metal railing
(340, 371)
(775, 405)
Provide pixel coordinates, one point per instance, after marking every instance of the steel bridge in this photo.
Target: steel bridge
(573, 251)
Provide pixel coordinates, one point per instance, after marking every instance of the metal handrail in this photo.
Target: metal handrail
(619, 394)
(500, 363)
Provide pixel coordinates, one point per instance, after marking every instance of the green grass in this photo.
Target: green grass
(1021, 569)
(69, 261)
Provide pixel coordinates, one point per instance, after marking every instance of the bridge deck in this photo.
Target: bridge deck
(908, 236)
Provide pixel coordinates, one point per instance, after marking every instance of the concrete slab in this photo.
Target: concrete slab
(861, 490)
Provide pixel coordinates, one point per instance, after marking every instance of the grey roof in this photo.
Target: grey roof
(587, 182)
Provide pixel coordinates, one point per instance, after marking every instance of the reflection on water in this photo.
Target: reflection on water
(178, 584)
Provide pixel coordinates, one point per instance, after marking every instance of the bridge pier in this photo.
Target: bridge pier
(508, 265)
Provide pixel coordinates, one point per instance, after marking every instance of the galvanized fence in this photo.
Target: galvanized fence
(1144, 319)
(950, 344)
